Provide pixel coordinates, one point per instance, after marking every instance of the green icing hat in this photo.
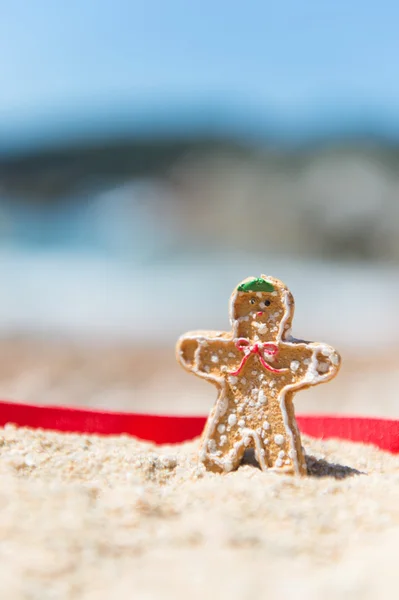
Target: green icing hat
(256, 285)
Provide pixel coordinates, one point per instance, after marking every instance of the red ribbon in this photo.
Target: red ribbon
(243, 345)
(172, 429)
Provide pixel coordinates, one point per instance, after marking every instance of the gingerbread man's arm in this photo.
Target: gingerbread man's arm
(310, 363)
(197, 352)
(324, 363)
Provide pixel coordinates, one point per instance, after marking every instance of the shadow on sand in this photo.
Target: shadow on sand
(316, 467)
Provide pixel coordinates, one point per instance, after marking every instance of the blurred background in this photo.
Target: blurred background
(153, 154)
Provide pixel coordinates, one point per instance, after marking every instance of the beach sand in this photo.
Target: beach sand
(85, 517)
(90, 518)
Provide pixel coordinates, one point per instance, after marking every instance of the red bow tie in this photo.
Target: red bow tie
(243, 345)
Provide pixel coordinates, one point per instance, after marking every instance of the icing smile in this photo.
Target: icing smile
(260, 313)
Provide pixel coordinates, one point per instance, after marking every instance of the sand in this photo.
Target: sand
(92, 518)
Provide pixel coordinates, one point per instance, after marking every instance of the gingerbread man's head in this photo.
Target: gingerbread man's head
(261, 309)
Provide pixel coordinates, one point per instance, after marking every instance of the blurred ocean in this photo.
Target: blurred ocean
(82, 295)
(160, 255)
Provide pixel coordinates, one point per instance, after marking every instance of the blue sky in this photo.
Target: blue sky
(288, 59)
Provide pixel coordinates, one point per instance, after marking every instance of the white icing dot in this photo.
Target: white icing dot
(254, 372)
(279, 463)
(259, 294)
(262, 328)
(223, 404)
(294, 366)
(266, 425)
(207, 368)
(231, 355)
(241, 423)
(214, 358)
(334, 358)
(232, 419)
(326, 352)
(287, 462)
(223, 440)
(221, 428)
(272, 383)
(223, 369)
(212, 446)
(261, 397)
(233, 380)
(243, 380)
(306, 361)
(220, 351)
(281, 454)
(323, 367)
(279, 439)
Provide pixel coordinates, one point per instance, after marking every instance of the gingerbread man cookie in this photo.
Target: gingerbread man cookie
(257, 368)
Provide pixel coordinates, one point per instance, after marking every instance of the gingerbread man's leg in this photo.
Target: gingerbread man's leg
(222, 447)
(285, 453)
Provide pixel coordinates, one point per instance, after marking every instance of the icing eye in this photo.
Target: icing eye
(267, 303)
(252, 301)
